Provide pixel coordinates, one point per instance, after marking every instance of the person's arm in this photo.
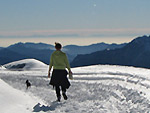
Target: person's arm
(68, 67)
(50, 66)
(67, 64)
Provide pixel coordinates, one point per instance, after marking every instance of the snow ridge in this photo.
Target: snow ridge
(26, 64)
(95, 89)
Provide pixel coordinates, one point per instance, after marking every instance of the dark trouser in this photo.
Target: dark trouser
(57, 88)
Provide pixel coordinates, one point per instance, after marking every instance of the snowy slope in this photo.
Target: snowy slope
(26, 64)
(15, 101)
(2, 67)
(95, 89)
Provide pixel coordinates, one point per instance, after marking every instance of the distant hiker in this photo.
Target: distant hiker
(28, 84)
(59, 62)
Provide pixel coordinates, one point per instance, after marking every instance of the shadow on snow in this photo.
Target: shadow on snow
(38, 107)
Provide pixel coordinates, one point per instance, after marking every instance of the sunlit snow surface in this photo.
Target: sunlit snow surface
(26, 64)
(95, 89)
(15, 101)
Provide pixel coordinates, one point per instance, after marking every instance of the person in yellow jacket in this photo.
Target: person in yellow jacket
(59, 62)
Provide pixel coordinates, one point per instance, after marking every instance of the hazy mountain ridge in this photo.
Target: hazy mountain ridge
(135, 53)
(1, 48)
(42, 51)
(75, 50)
(31, 51)
(33, 45)
(7, 56)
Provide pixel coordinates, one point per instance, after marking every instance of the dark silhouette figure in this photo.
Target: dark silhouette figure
(28, 84)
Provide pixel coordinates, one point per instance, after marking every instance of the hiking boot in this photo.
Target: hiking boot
(58, 98)
(64, 95)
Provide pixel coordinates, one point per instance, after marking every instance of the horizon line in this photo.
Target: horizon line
(75, 32)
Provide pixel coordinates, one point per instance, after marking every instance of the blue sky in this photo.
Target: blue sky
(72, 19)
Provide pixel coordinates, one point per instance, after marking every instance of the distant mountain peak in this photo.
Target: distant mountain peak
(142, 39)
(142, 42)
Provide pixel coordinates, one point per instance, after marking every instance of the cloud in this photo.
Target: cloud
(76, 33)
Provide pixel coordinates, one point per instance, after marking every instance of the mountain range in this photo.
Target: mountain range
(42, 51)
(136, 53)
(1, 48)
(75, 50)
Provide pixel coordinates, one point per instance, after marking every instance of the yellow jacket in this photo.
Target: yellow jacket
(59, 60)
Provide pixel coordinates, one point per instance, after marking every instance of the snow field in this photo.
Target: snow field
(15, 101)
(95, 89)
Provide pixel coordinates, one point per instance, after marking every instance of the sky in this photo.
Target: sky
(79, 22)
